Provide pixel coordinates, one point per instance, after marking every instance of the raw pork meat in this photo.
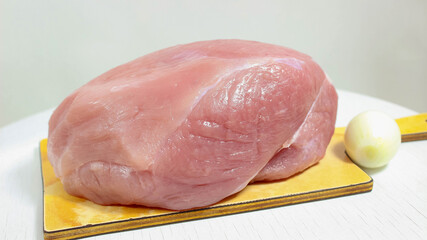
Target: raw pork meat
(189, 125)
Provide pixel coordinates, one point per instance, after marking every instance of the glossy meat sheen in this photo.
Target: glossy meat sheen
(189, 125)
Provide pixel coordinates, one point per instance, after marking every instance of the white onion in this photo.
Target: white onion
(372, 139)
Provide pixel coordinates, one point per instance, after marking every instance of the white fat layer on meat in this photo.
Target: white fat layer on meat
(293, 62)
(119, 87)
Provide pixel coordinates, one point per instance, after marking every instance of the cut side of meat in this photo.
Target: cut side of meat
(189, 125)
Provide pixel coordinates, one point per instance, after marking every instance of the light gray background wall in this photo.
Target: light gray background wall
(49, 48)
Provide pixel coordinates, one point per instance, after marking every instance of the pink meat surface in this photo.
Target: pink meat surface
(189, 125)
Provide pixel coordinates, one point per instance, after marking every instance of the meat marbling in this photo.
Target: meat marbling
(189, 125)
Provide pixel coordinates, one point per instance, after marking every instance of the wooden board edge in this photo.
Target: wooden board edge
(409, 137)
(41, 174)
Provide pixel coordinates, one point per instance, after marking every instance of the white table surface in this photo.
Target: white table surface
(395, 209)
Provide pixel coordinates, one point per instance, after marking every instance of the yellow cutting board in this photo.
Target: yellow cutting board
(66, 216)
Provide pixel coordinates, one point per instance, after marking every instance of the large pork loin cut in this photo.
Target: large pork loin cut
(189, 125)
